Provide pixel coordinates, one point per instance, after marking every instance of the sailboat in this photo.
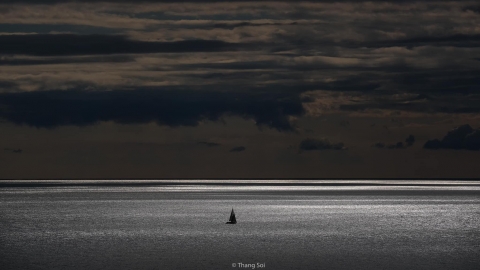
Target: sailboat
(232, 219)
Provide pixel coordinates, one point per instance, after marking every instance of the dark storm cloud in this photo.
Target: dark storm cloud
(10, 61)
(354, 47)
(7, 85)
(440, 80)
(462, 137)
(238, 149)
(69, 44)
(177, 107)
(457, 40)
(319, 144)
(48, 28)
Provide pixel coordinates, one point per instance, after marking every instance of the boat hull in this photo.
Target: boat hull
(231, 222)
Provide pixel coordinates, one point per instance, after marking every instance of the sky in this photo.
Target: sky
(237, 89)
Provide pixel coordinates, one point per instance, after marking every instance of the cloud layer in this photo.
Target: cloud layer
(68, 44)
(353, 57)
(174, 107)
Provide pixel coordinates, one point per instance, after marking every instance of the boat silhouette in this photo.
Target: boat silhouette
(232, 219)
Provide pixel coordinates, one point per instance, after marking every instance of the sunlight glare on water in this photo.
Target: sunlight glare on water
(284, 227)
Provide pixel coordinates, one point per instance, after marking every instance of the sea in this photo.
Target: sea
(281, 224)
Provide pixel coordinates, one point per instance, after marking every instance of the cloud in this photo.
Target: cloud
(409, 141)
(462, 137)
(398, 145)
(238, 149)
(171, 107)
(17, 61)
(48, 28)
(454, 138)
(361, 55)
(243, 24)
(70, 44)
(472, 8)
(7, 84)
(456, 40)
(443, 100)
(472, 140)
(320, 144)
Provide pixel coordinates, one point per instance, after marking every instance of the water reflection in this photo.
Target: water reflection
(287, 227)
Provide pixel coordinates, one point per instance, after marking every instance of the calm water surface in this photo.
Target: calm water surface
(281, 227)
